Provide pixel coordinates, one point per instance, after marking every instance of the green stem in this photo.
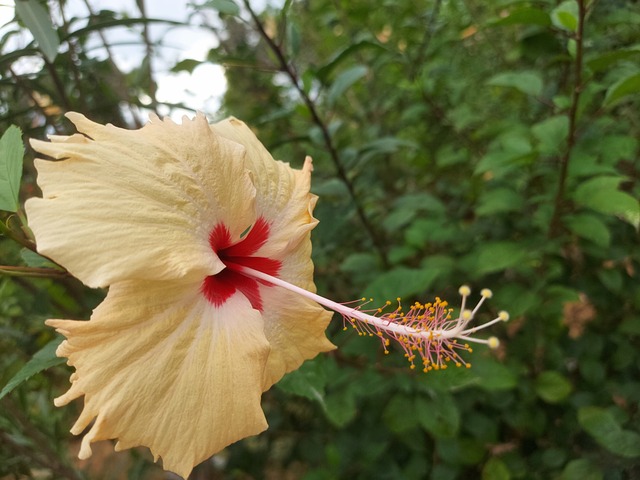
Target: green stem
(554, 226)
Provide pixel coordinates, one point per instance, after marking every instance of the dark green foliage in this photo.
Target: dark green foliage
(488, 143)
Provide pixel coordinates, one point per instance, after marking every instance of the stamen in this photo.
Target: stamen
(426, 331)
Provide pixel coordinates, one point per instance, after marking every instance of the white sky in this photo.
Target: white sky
(201, 90)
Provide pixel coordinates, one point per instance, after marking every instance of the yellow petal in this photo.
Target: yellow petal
(282, 193)
(159, 366)
(294, 326)
(123, 204)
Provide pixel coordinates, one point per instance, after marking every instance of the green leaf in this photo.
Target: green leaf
(565, 16)
(523, 16)
(340, 407)
(602, 195)
(227, 7)
(186, 65)
(401, 282)
(604, 61)
(603, 427)
(590, 228)
(11, 154)
(551, 134)
(492, 374)
(495, 469)
(438, 416)
(580, 470)
(384, 145)
(293, 38)
(400, 414)
(38, 21)
(630, 326)
(628, 85)
(552, 387)
(308, 381)
(32, 259)
(459, 451)
(345, 80)
(529, 83)
(496, 256)
(499, 200)
(41, 360)
(325, 71)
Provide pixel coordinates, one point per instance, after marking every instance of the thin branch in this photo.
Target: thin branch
(39, 272)
(326, 136)
(554, 226)
(73, 55)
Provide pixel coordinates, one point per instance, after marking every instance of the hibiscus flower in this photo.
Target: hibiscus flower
(203, 240)
(178, 354)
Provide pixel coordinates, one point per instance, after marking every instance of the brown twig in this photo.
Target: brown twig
(554, 226)
(287, 68)
(40, 272)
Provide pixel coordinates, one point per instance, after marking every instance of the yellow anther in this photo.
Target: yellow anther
(468, 365)
(464, 290)
(485, 292)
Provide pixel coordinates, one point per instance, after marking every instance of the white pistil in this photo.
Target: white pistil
(386, 324)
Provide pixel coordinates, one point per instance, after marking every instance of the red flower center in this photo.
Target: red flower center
(220, 287)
